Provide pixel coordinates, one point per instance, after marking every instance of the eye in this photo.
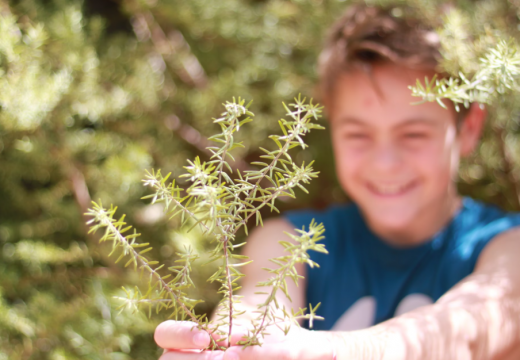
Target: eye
(415, 135)
(356, 136)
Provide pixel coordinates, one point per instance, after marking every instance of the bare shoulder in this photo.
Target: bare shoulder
(272, 232)
(498, 264)
(496, 274)
(262, 246)
(263, 242)
(501, 251)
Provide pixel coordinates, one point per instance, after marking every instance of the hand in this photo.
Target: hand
(299, 344)
(183, 342)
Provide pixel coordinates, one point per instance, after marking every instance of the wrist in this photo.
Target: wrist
(372, 343)
(326, 344)
(332, 344)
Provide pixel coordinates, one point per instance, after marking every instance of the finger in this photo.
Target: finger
(258, 353)
(318, 346)
(180, 335)
(192, 355)
(239, 333)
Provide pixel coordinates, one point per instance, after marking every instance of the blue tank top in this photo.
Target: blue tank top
(364, 280)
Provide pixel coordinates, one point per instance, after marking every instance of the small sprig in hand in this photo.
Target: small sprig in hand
(221, 203)
(268, 314)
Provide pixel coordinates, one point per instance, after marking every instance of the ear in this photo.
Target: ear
(471, 128)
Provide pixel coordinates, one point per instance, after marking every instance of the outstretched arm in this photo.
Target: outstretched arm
(478, 319)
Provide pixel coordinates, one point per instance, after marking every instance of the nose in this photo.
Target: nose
(386, 157)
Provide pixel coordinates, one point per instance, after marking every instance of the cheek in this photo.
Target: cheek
(349, 163)
(437, 162)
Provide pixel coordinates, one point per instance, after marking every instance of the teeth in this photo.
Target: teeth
(389, 189)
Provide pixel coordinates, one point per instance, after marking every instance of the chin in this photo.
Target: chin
(392, 222)
(396, 218)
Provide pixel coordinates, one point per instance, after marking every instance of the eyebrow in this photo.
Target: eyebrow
(409, 122)
(351, 120)
(418, 121)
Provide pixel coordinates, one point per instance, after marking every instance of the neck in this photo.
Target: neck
(429, 221)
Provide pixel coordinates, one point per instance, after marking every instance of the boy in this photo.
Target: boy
(417, 271)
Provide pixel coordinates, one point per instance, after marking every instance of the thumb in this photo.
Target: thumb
(180, 335)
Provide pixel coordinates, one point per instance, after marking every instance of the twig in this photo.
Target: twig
(146, 27)
(512, 181)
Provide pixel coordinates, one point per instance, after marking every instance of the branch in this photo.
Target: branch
(164, 193)
(193, 137)
(512, 181)
(146, 27)
(79, 188)
(105, 219)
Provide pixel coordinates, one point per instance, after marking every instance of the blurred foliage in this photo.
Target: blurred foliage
(95, 92)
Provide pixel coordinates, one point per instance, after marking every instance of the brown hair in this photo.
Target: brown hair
(365, 36)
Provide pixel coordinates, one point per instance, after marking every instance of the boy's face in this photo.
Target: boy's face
(397, 161)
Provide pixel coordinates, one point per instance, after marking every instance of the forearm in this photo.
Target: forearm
(451, 330)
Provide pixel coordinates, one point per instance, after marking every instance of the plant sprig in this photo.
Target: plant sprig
(499, 72)
(169, 294)
(220, 203)
(268, 314)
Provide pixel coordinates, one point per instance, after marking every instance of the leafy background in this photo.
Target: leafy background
(94, 92)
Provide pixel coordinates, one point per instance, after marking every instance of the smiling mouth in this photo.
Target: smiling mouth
(388, 190)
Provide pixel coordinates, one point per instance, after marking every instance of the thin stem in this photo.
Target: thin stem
(263, 174)
(227, 264)
(143, 300)
(281, 277)
(230, 289)
(165, 193)
(222, 157)
(254, 211)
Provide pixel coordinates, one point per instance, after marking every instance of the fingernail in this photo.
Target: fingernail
(201, 339)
